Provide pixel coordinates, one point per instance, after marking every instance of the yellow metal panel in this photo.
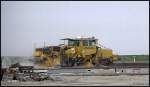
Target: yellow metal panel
(106, 52)
(37, 53)
(89, 50)
(115, 57)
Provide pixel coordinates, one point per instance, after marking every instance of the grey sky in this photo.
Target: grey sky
(122, 26)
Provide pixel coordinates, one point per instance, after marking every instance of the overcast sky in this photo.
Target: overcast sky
(122, 26)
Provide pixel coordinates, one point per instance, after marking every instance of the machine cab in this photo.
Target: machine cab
(82, 46)
(79, 42)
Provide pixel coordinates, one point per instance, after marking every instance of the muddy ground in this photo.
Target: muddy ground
(122, 80)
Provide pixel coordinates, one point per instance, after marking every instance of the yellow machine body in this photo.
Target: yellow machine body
(50, 58)
(77, 52)
(86, 50)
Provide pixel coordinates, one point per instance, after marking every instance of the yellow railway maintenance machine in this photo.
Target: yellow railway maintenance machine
(76, 52)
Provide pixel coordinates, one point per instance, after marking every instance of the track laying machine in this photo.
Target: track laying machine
(75, 52)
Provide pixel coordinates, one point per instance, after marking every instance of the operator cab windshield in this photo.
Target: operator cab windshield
(89, 42)
(73, 42)
(77, 42)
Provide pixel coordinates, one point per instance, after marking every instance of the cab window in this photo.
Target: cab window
(92, 43)
(73, 43)
(85, 43)
(89, 42)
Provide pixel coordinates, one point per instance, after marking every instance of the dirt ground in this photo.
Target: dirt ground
(122, 80)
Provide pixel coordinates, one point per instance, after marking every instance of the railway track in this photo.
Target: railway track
(129, 65)
(112, 66)
(115, 65)
(114, 69)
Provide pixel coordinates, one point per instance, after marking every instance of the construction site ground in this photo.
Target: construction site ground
(121, 80)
